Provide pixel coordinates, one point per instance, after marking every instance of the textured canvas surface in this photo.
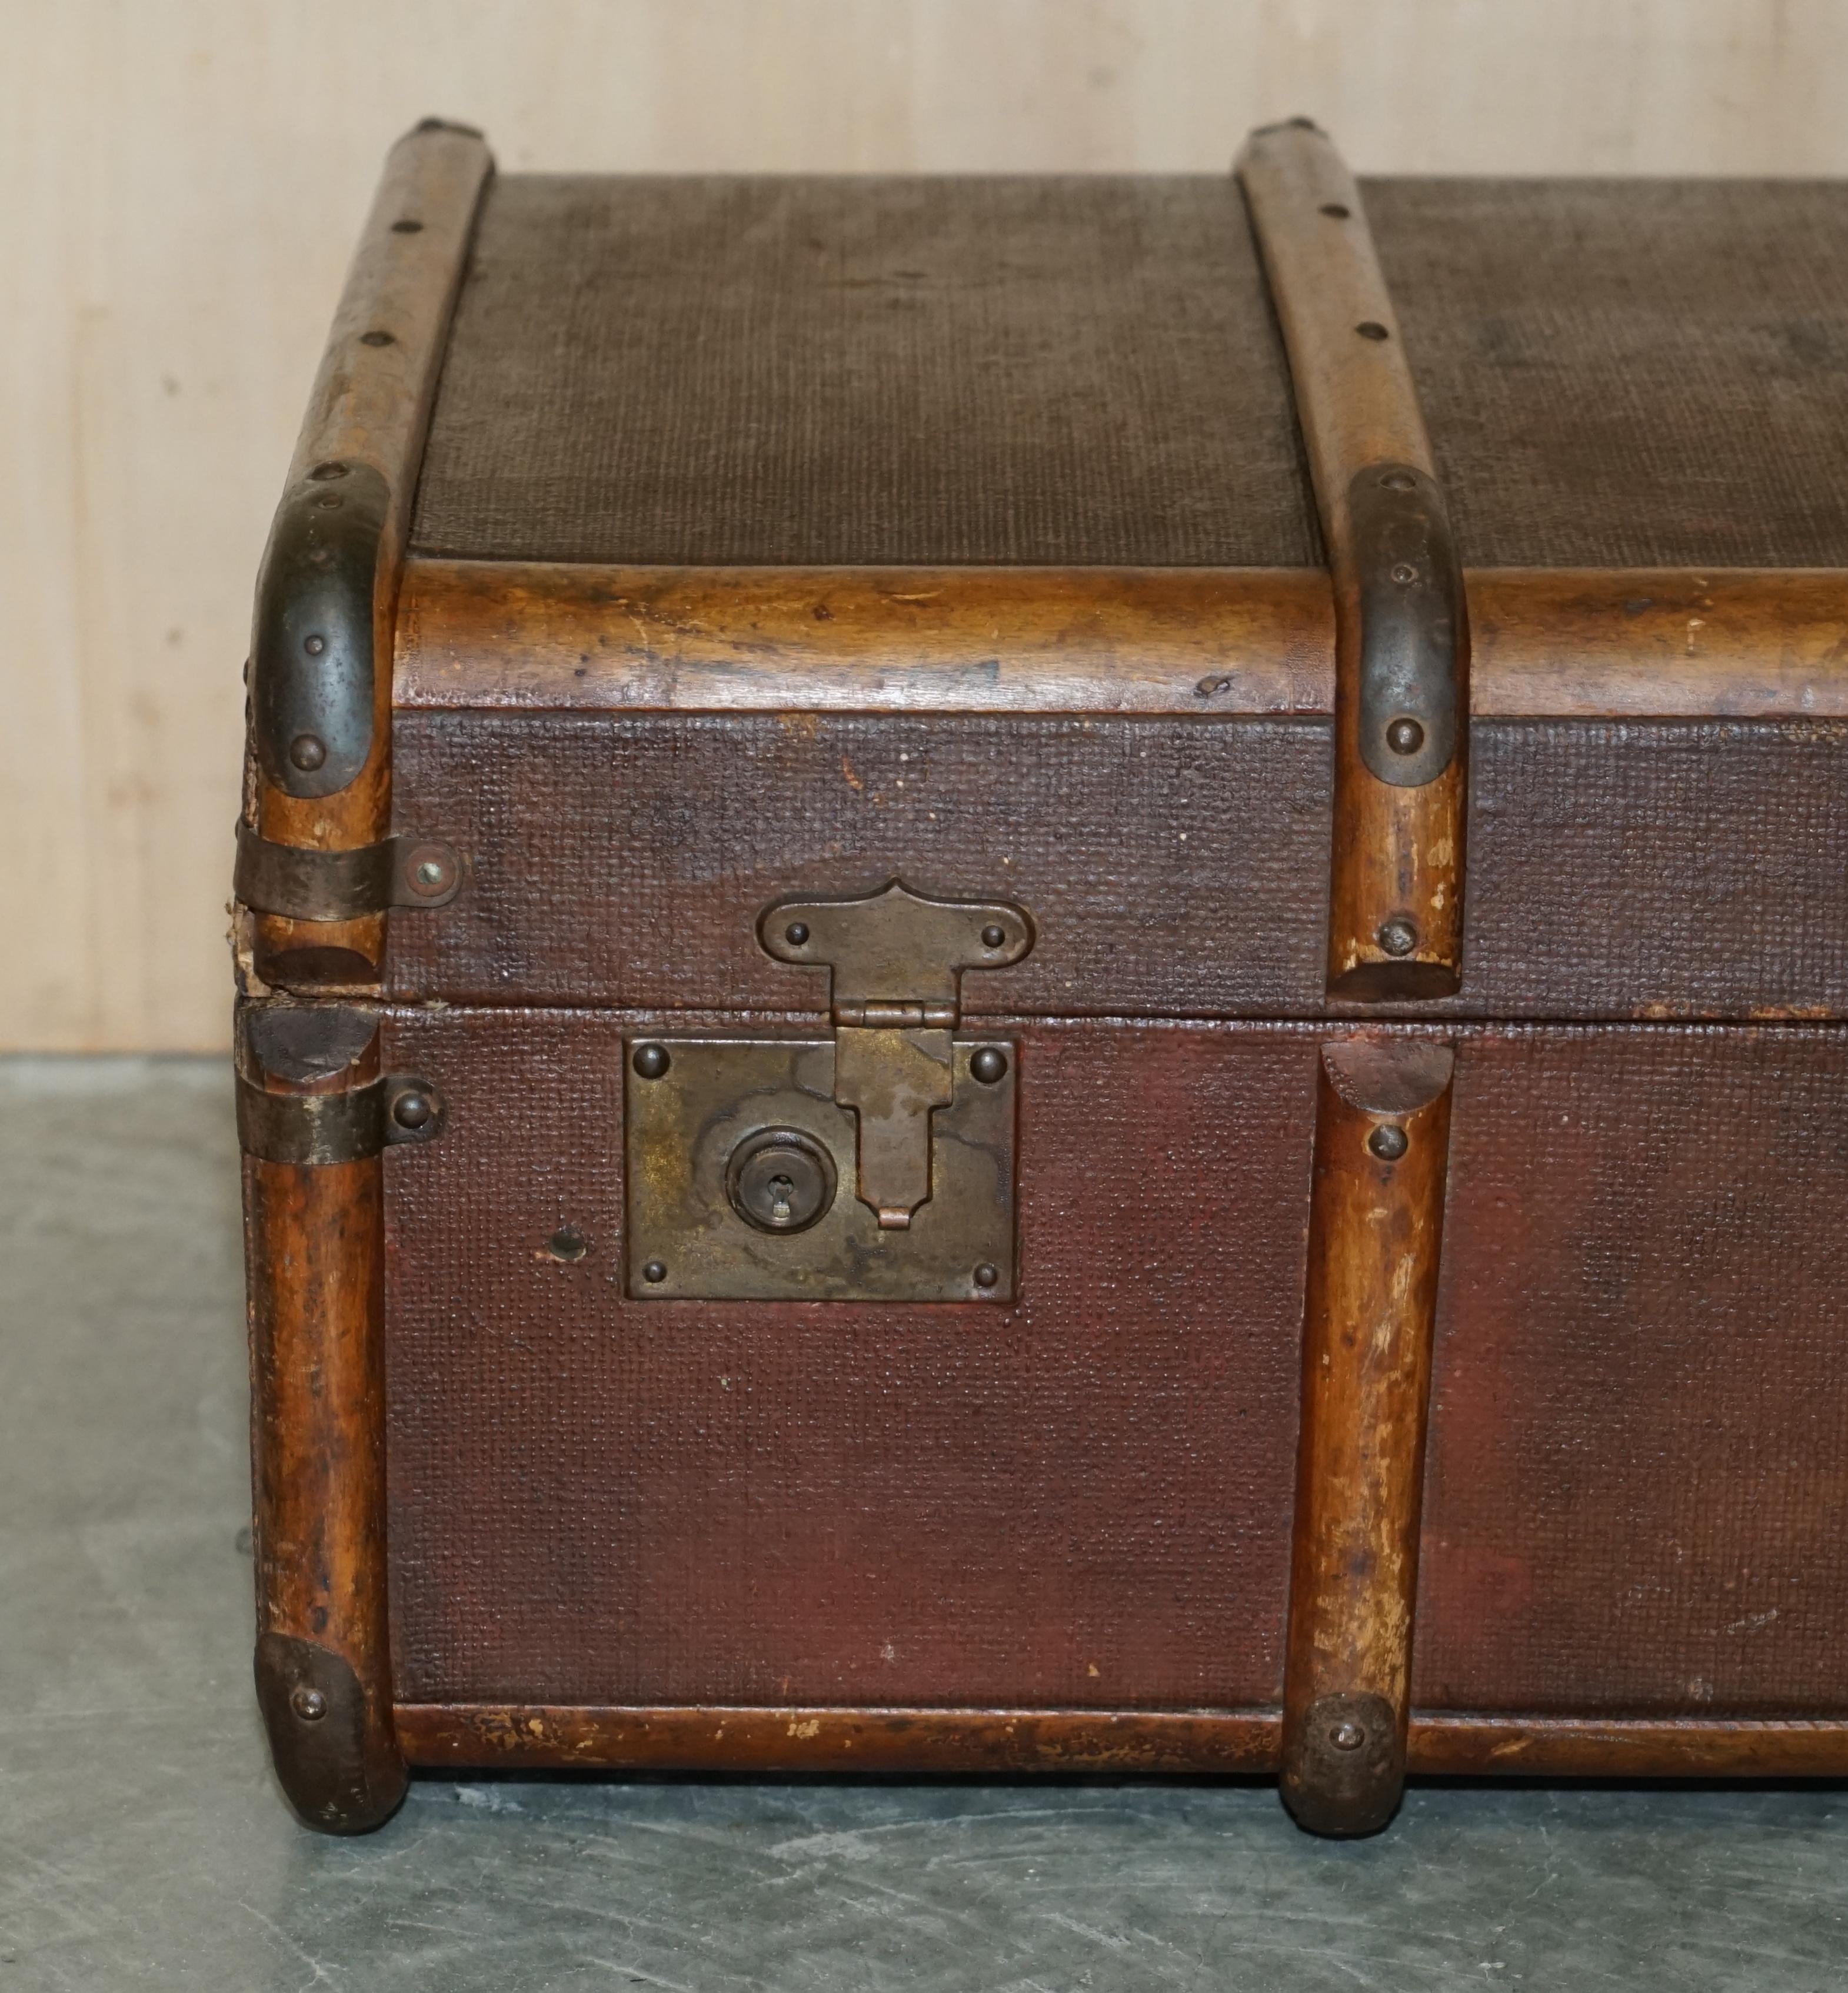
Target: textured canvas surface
(1177, 866)
(794, 369)
(1086, 370)
(1081, 1500)
(1638, 1455)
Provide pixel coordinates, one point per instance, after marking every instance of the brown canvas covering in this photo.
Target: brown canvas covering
(1616, 373)
(576, 1526)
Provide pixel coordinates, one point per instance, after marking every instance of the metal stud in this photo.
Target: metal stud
(987, 1277)
(413, 1109)
(309, 1704)
(651, 1061)
(795, 934)
(654, 1273)
(1347, 1737)
(308, 751)
(993, 936)
(1405, 736)
(988, 1065)
(1388, 1143)
(1398, 936)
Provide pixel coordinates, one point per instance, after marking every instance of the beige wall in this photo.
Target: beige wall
(182, 178)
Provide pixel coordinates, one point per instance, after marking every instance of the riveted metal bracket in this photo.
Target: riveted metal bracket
(1412, 621)
(896, 960)
(403, 871)
(317, 1128)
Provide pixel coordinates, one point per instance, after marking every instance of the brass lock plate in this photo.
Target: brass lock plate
(742, 1172)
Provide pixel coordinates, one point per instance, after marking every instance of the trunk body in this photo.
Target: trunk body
(871, 708)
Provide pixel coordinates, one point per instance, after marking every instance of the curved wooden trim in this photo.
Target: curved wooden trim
(1396, 874)
(315, 1252)
(1375, 1228)
(370, 410)
(1741, 643)
(1140, 1743)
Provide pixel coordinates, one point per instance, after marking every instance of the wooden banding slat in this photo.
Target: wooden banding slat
(314, 1242)
(362, 443)
(1401, 628)
(1738, 644)
(1376, 1226)
(1142, 1743)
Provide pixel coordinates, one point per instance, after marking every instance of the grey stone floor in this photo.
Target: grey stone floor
(141, 1845)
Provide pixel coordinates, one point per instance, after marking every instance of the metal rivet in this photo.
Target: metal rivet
(308, 751)
(378, 339)
(433, 872)
(651, 1061)
(330, 501)
(309, 1704)
(1398, 937)
(1388, 1142)
(654, 1273)
(993, 936)
(1398, 481)
(1405, 573)
(1335, 211)
(795, 934)
(413, 1109)
(406, 227)
(1347, 1737)
(322, 473)
(314, 646)
(1371, 328)
(1405, 736)
(988, 1065)
(987, 1275)
(567, 1242)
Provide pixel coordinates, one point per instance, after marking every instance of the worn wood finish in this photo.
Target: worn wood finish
(1128, 1743)
(1739, 644)
(1136, 1743)
(1585, 1748)
(314, 1236)
(370, 407)
(1376, 1220)
(1397, 853)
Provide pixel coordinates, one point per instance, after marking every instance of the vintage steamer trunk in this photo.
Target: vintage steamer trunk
(1049, 975)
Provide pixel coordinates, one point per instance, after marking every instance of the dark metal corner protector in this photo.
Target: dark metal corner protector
(340, 1774)
(405, 870)
(1414, 625)
(312, 666)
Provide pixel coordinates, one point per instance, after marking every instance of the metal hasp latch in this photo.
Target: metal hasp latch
(874, 1164)
(897, 960)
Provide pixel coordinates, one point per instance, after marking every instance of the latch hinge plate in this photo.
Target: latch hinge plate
(896, 959)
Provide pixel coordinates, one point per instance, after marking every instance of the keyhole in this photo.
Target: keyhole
(782, 1198)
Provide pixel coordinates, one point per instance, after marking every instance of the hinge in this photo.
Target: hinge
(307, 885)
(896, 960)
